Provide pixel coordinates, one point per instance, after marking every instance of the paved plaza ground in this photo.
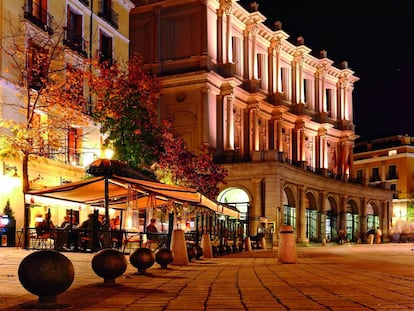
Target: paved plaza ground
(331, 277)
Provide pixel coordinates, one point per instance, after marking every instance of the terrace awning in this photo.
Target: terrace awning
(122, 190)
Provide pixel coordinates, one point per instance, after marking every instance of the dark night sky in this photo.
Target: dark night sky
(377, 40)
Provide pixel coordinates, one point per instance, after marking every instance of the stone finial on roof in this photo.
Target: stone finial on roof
(300, 40)
(253, 6)
(323, 54)
(277, 25)
(344, 64)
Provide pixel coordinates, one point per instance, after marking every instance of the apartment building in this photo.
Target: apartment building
(389, 162)
(81, 29)
(276, 114)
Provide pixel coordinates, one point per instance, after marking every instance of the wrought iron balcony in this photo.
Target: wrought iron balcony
(75, 43)
(39, 16)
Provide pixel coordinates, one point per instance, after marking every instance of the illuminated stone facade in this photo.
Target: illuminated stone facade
(277, 116)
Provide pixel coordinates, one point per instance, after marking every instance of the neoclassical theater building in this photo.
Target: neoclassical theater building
(278, 116)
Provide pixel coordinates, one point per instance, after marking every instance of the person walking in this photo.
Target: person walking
(371, 235)
(378, 236)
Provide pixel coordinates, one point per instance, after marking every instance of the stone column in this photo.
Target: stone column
(301, 216)
(230, 124)
(322, 219)
(205, 116)
(246, 72)
(270, 69)
(363, 226)
(228, 11)
(342, 212)
(255, 208)
(255, 138)
(220, 36)
(220, 125)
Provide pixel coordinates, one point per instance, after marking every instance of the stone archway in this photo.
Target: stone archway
(352, 221)
(373, 220)
(332, 218)
(240, 199)
(289, 206)
(313, 218)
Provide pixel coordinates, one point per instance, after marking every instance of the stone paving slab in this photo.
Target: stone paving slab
(337, 277)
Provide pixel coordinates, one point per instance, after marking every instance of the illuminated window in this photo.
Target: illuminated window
(74, 144)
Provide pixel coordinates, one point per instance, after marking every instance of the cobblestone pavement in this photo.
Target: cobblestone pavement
(337, 277)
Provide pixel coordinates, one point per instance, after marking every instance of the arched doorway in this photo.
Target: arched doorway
(289, 210)
(240, 199)
(372, 216)
(312, 217)
(331, 219)
(352, 221)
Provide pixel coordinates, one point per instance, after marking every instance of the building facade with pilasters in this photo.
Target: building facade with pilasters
(276, 115)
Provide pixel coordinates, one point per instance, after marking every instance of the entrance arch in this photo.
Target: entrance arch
(289, 207)
(240, 199)
(352, 221)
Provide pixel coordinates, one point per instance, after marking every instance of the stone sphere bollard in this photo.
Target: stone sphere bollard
(109, 264)
(191, 252)
(46, 273)
(164, 256)
(142, 259)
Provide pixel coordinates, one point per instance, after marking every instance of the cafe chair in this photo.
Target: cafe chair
(43, 239)
(132, 240)
(116, 239)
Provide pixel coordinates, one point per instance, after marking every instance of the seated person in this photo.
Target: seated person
(66, 238)
(152, 227)
(45, 227)
(89, 227)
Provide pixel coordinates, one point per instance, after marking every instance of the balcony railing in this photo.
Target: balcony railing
(38, 16)
(75, 43)
(108, 14)
(392, 176)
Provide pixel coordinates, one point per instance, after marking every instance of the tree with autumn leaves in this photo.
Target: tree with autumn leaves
(126, 100)
(178, 165)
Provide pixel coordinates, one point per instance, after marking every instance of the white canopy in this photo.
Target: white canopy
(121, 190)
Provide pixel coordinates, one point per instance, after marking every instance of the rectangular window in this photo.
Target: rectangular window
(328, 102)
(375, 174)
(392, 172)
(237, 57)
(38, 9)
(360, 176)
(105, 51)
(74, 144)
(261, 71)
(74, 37)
